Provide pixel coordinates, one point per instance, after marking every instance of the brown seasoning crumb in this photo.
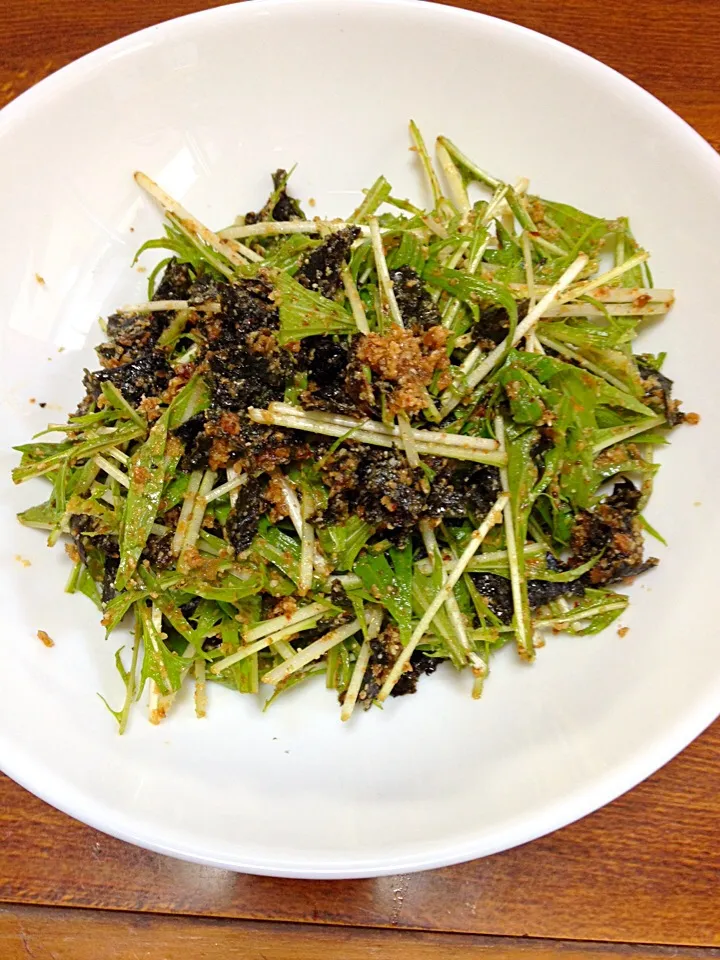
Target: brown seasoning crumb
(45, 638)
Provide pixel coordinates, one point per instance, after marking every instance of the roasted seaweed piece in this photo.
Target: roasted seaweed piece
(541, 592)
(320, 270)
(240, 379)
(416, 306)
(384, 651)
(388, 490)
(420, 664)
(326, 359)
(448, 497)
(147, 376)
(244, 518)
(158, 551)
(493, 325)
(497, 593)
(176, 281)
(245, 307)
(658, 393)
(280, 205)
(197, 443)
(482, 488)
(612, 529)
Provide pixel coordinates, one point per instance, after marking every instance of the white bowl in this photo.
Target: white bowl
(208, 105)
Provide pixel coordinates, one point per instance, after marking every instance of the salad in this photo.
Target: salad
(360, 447)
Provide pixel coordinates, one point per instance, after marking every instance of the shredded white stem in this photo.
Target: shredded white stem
(532, 342)
(524, 640)
(267, 627)
(198, 512)
(118, 455)
(581, 614)
(479, 562)
(440, 449)
(607, 294)
(479, 372)
(585, 288)
(151, 306)
(356, 304)
(435, 437)
(624, 433)
(496, 203)
(421, 150)
(236, 253)
(239, 480)
(566, 351)
(291, 502)
(232, 472)
(186, 510)
(312, 652)
(652, 309)
(284, 649)
(273, 638)
(451, 605)
(458, 191)
(408, 441)
(476, 539)
(351, 694)
(384, 281)
(200, 689)
(548, 246)
(307, 556)
(111, 470)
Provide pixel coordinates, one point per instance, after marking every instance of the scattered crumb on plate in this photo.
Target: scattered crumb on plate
(45, 638)
(692, 418)
(22, 560)
(40, 280)
(623, 631)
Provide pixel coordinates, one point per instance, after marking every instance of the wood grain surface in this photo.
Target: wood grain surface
(644, 870)
(52, 934)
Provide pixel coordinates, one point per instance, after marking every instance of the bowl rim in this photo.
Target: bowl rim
(575, 805)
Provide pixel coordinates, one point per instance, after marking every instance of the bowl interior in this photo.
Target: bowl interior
(208, 105)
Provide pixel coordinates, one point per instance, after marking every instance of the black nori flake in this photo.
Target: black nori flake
(408, 681)
(326, 359)
(176, 281)
(147, 376)
(497, 593)
(197, 443)
(658, 393)
(416, 306)
(284, 208)
(109, 574)
(158, 550)
(244, 518)
(447, 498)
(483, 487)
(612, 529)
(320, 270)
(388, 490)
(541, 592)
(239, 379)
(493, 324)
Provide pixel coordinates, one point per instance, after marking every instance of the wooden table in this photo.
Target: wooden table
(642, 873)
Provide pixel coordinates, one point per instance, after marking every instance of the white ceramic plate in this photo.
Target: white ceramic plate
(208, 105)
